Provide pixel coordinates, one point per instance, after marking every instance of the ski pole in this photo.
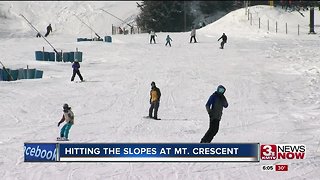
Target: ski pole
(39, 33)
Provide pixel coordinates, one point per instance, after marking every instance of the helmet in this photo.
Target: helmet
(221, 89)
(153, 83)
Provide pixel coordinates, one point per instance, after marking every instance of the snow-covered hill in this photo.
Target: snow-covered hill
(272, 82)
(62, 16)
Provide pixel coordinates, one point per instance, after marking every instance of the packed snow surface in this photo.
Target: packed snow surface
(272, 81)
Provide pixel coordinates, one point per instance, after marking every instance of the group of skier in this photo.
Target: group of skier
(214, 106)
(49, 29)
(153, 35)
(192, 37)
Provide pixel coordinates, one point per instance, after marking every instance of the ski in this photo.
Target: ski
(147, 117)
(175, 119)
(62, 139)
(79, 81)
(168, 119)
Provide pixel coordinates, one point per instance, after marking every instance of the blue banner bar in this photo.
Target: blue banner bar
(158, 152)
(40, 152)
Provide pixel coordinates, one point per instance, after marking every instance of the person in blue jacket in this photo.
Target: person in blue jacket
(76, 67)
(168, 39)
(214, 106)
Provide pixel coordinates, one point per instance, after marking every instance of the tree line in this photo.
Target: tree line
(178, 16)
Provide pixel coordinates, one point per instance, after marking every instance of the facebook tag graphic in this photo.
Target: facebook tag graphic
(40, 152)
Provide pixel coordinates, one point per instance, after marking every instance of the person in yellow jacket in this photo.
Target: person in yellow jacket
(155, 95)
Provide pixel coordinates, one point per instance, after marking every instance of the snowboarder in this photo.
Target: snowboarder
(49, 29)
(168, 40)
(155, 95)
(152, 37)
(224, 40)
(214, 106)
(68, 117)
(76, 67)
(193, 35)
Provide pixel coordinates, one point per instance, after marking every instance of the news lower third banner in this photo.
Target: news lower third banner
(140, 152)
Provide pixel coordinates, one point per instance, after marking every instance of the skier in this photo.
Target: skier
(38, 35)
(168, 40)
(76, 67)
(68, 117)
(224, 40)
(214, 106)
(49, 29)
(120, 30)
(152, 37)
(193, 35)
(155, 95)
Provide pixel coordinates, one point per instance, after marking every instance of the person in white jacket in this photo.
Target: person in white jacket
(68, 117)
(193, 35)
(152, 37)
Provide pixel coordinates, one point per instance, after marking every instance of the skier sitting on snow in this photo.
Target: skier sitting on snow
(68, 117)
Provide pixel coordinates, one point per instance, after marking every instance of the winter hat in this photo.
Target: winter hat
(66, 106)
(221, 89)
(153, 83)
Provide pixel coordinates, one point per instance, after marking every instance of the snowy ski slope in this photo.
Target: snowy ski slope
(272, 82)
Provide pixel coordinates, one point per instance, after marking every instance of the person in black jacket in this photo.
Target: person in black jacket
(49, 29)
(224, 40)
(214, 106)
(155, 95)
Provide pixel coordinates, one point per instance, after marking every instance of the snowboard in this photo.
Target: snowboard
(147, 117)
(79, 81)
(61, 139)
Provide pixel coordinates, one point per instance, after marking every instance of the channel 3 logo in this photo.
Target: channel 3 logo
(268, 152)
(282, 151)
